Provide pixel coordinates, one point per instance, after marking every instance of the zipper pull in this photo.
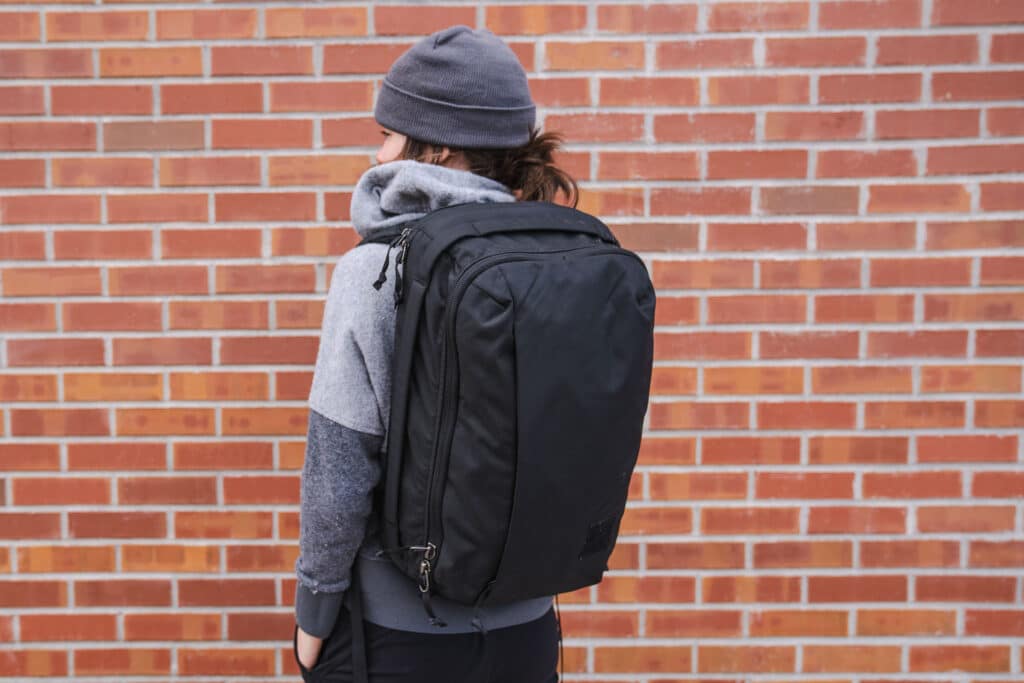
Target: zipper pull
(425, 569)
(403, 243)
(387, 258)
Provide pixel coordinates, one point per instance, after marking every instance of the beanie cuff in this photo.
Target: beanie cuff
(441, 123)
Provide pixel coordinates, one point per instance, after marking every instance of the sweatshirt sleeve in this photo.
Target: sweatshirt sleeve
(347, 420)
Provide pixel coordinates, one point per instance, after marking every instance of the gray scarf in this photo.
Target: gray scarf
(394, 193)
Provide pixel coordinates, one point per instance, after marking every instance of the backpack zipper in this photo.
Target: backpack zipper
(448, 373)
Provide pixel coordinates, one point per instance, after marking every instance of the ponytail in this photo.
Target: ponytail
(528, 170)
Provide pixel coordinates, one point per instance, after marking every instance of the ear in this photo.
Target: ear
(444, 155)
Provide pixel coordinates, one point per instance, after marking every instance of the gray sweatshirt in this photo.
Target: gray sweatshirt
(349, 410)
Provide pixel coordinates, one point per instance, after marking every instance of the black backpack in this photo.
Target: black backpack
(521, 378)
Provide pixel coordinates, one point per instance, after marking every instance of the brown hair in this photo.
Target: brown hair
(529, 168)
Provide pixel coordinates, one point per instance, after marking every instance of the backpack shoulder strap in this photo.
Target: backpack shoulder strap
(385, 238)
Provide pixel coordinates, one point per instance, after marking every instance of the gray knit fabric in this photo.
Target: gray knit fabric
(458, 87)
(350, 409)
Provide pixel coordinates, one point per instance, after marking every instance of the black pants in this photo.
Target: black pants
(527, 653)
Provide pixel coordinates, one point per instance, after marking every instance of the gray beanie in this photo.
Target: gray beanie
(458, 87)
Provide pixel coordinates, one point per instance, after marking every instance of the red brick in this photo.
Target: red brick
(935, 49)
(218, 315)
(21, 100)
(205, 171)
(810, 274)
(953, 13)
(226, 524)
(704, 127)
(786, 485)
(26, 387)
(599, 127)
(997, 554)
(861, 658)
(966, 448)
(103, 244)
(158, 208)
(117, 525)
(1002, 270)
(15, 245)
(857, 520)
(61, 491)
(965, 588)
(974, 307)
(695, 555)
(705, 201)
(689, 624)
(927, 123)
(672, 450)
(866, 236)
(808, 345)
(658, 91)
(970, 379)
(999, 413)
(975, 235)
(28, 526)
(22, 173)
(995, 343)
(320, 169)
(757, 164)
(807, 623)
(47, 135)
(814, 52)
(925, 484)
(171, 626)
(211, 98)
(20, 27)
(137, 62)
(845, 308)
(750, 588)
(965, 519)
(361, 58)
(753, 16)
(152, 135)
(694, 486)
(50, 209)
(265, 206)
(71, 627)
(150, 280)
(654, 658)
(869, 88)
(1005, 121)
(975, 159)
(46, 63)
(792, 554)
(219, 386)
(761, 450)
(865, 588)
(862, 379)
(101, 99)
(535, 19)
(273, 278)
(801, 415)
(962, 86)
(566, 56)
(263, 133)
(1002, 196)
(320, 97)
(97, 26)
(111, 315)
(657, 18)
(161, 351)
(752, 380)
(420, 19)
(54, 352)
(990, 622)
(28, 317)
(793, 125)
(169, 421)
(903, 622)
(876, 554)
(109, 386)
(914, 414)
(834, 450)
(692, 415)
(210, 24)
(705, 53)
(805, 199)
(659, 520)
(123, 593)
(59, 422)
(737, 659)
(211, 243)
(749, 520)
(874, 163)
(862, 14)
(753, 90)
(274, 60)
(918, 199)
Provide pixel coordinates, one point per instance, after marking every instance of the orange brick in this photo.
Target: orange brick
(118, 525)
(997, 554)
(975, 518)
(98, 26)
(979, 658)
(46, 63)
(274, 60)
(206, 24)
(695, 555)
(760, 588)
(181, 558)
(420, 19)
(752, 16)
(803, 485)
(657, 520)
(806, 415)
(658, 18)
(62, 491)
(271, 279)
(914, 344)
(654, 658)
(28, 317)
(292, 386)
(766, 450)
(272, 421)
(308, 22)
(667, 589)
(535, 19)
(119, 456)
(753, 380)
(867, 588)
(903, 622)
(114, 387)
(698, 485)
(265, 206)
(563, 56)
(60, 422)
(189, 171)
(125, 661)
(705, 53)
(236, 455)
(970, 379)
(876, 554)
(834, 450)
(157, 208)
(261, 490)
(782, 555)
(137, 62)
(226, 661)
(28, 388)
(699, 415)
(749, 520)
(165, 421)
(218, 315)
(966, 448)
(691, 624)
(677, 451)
(67, 559)
(857, 520)
(335, 169)
(176, 627)
(219, 386)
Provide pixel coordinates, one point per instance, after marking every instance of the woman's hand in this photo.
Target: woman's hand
(308, 648)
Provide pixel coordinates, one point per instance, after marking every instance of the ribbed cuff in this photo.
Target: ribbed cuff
(315, 613)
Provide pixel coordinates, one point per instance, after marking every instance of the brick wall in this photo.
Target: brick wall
(830, 196)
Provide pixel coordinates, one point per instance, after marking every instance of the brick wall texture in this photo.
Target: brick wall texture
(829, 195)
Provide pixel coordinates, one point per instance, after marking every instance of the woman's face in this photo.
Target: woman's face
(391, 148)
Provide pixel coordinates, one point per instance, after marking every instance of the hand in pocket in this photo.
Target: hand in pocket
(307, 648)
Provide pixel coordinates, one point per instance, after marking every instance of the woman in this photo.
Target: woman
(458, 123)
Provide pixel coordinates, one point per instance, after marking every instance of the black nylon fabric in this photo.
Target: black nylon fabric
(524, 351)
